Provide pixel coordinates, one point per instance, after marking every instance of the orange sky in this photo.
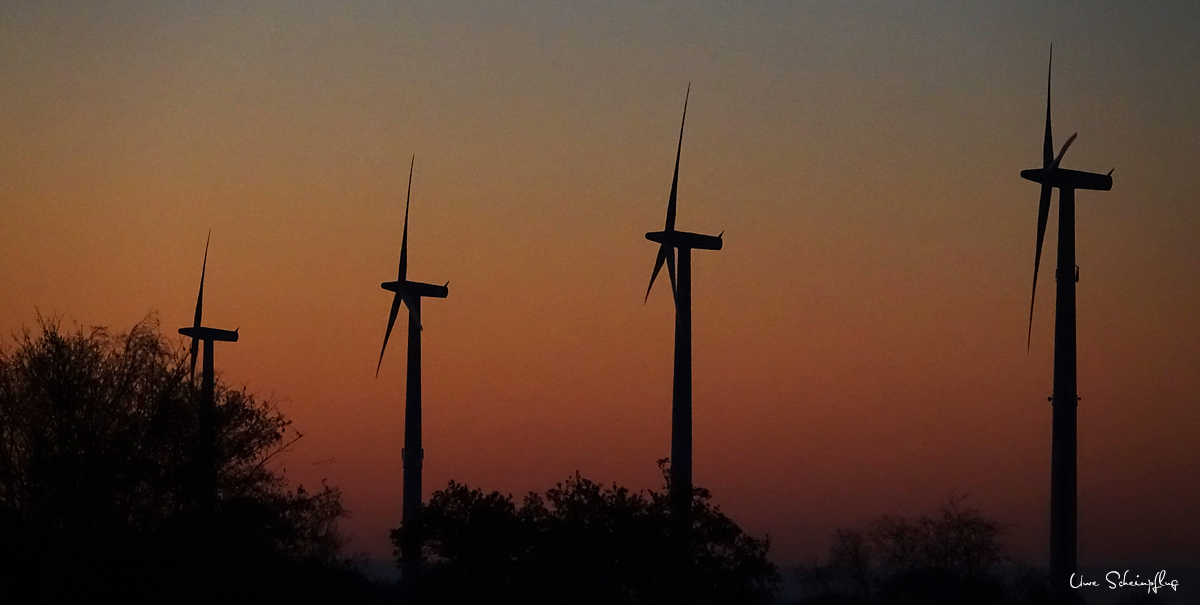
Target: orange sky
(859, 341)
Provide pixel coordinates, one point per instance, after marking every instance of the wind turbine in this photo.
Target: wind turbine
(206, 455)
(410, 293)
(1065, 399)
(681, 243)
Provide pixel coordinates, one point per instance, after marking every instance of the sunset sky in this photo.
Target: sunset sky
(860, 341)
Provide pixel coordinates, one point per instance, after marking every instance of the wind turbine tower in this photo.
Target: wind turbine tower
(674, 243)
(410, 293)
(1063, 540)
(206, 455)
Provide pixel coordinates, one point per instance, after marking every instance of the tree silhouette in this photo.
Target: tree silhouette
(582, 542)
(97, 459)
(954, 555)
(947, 556)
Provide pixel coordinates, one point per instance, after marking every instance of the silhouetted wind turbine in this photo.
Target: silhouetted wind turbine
(671, 242)
(1065, 399)
(410, 293)
(206, 455)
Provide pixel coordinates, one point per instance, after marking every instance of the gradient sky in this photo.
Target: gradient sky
(859, 342)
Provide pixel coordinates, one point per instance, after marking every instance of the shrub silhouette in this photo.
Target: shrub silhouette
(582, 542)
(953, 556)
(97, 442)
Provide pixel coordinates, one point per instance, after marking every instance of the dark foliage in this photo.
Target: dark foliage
(953, 556)
(582, 542)
(97, 446)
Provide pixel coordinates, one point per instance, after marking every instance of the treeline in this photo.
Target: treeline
(582, 542)
(954, 555)
(98, 503)
(98, 439)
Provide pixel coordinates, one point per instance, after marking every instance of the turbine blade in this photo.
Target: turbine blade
(203, 269)
(1043, 215)
(199, 305)
(1048, 142)
(671, 271)
(386, 335)
(675, 178)
(195, 350)
(403, 273)
(1064, 150)
(658, 263)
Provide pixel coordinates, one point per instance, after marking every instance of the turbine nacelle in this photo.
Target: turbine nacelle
(416, 288)
(210, 334)
(1062, 178)
(684, 239)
